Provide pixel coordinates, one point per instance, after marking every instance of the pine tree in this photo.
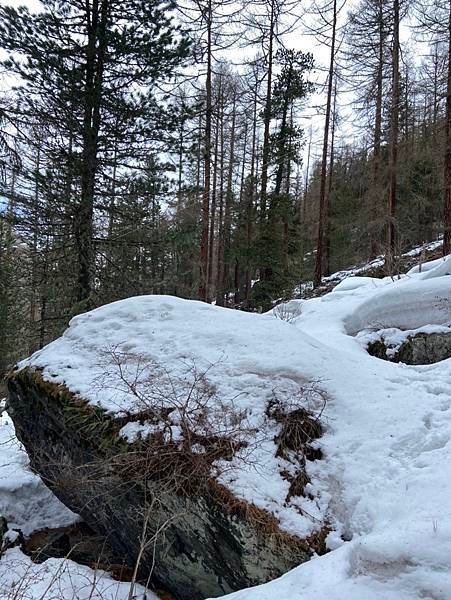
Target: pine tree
(89, 67)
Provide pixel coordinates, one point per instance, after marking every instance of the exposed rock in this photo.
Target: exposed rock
(200, 541)
(8, 537)
(419, 349)
(79, 541)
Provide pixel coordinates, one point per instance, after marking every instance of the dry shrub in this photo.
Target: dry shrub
(287, 311)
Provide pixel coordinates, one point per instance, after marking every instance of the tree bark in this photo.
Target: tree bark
(394, 134)
(97, 19)
(322, 194)
(203, 285)
(267, 116)
(447, 175)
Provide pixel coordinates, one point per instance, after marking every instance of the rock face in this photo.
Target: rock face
(190, 536)
(420, 349)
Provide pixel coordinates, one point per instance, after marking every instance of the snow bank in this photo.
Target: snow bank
(59, 579)
(387, 454)
(25, 502)
(408, 305)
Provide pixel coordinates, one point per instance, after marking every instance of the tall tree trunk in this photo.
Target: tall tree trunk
(97, 19)
(203, 285)
(228, 205)
(214, 193)
(34, 257)
(322, 194)
(220, 251)
(374, 209)
(267, 116)
(327, 243)
(251, 199)
(447, 176)
(394, 134)
(238, 277)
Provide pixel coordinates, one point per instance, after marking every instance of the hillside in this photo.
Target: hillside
(373, 480)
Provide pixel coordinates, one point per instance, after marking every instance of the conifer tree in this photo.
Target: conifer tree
(89, 66)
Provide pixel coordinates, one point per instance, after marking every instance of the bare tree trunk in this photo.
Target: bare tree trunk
(447, 175)
(213, 201)
(220, 251)
(374, 210)
(34, 258)
(303, 203)
(394, 134)
(238, 275)
(203, 262)
(322, 194)
(251, 199)
(228, 205)
(267, 116)
(327, 243)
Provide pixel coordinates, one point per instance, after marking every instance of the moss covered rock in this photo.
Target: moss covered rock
(419, 349)
(186, 531)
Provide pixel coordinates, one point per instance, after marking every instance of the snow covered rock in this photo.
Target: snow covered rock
(407, 305)
(169, 428)
(424, 346)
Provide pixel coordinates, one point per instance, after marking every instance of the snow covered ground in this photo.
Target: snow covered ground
(386, 473)
(25, 502)
(59, 579)
(384, 484)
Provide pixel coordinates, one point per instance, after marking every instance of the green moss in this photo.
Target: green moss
(92, 423)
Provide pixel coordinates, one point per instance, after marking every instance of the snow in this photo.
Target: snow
(384, 484)
(428, 247)
(385, 477)
(25, 502)
(59, 579)
(407, 305)
(380, 261)
(246, 358)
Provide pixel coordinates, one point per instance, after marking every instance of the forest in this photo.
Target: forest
(225, 299)
(213, 150)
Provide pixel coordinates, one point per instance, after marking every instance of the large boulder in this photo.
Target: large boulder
(156, 494)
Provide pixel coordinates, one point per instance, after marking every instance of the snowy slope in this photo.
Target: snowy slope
(384, 483)
(388, 453)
